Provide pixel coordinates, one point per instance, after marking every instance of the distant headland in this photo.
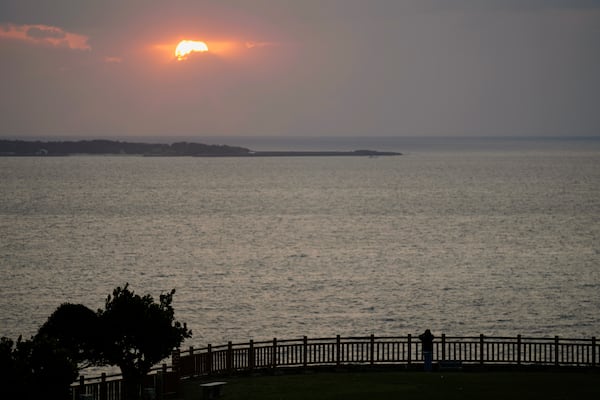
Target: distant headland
(178, 149)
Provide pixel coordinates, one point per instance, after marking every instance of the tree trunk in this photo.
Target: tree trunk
(132, 390)
(132, 382)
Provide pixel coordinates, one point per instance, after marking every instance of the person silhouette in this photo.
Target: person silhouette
(427, 343)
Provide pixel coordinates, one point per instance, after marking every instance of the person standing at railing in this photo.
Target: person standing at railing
(427, 343)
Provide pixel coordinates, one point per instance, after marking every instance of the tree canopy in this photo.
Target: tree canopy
(138, 332)
(77, 329)
(34, 369)
(132, 332)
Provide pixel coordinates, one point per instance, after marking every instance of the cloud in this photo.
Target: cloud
(44, 35)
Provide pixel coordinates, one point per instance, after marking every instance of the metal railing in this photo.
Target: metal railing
(362, 350)
(476, 350)
(161, 380)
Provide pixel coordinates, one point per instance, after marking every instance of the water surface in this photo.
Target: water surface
(462, 242)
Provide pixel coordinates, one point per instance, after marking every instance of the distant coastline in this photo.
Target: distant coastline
(14, 148)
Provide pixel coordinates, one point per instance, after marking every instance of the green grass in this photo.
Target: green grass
(413, 385)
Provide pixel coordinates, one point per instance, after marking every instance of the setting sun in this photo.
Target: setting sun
(185, 47)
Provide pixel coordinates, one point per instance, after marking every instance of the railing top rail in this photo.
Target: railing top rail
(514, 338)
(575, 340)
(366, 340)
(118, 376)
(93, 379)
(439, 337)
(459, 338)
(346, 339)
(260, 342)
(297, 340)
(553, 338)
(369, 337)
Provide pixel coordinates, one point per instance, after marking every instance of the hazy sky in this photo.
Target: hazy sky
(304, 67)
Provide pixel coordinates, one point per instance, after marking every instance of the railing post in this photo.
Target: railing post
(274, 353)
(409, 348)
(372, 353)
(229, 359)
(305, 351)
(519, 349)
(251, 361)
(209, 360)
(481, 347)
(443, 346)
(593, 351)
(103, 392)
(191, 350)
(175, 358)
(338, 348)
(556, 350)
(176, 365)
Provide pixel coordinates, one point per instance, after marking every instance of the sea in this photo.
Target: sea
(460, 235)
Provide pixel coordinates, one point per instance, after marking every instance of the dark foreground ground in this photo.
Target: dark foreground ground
(410, 385)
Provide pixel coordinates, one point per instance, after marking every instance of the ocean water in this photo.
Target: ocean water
(469, 236)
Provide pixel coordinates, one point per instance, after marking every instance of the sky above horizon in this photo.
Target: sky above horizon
(300, 68)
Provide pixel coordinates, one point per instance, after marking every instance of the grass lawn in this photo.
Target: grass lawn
(413, 385)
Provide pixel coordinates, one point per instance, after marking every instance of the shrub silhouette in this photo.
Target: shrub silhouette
(76, 329)
(34, 369)
(132, 332)
(137, 333)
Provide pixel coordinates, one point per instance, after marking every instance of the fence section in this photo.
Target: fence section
(159, 384)
(475, 350)
(366, 350)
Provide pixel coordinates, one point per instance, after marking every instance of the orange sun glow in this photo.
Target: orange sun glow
(186, 47)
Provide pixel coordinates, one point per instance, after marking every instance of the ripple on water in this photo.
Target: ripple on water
(500, 244)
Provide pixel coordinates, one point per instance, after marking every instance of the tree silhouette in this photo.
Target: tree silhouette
(132, 332)
(137, 333)
(76, 329)
(35, 369)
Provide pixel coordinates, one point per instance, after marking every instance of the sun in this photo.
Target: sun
(186, 47)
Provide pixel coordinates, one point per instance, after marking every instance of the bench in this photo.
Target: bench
(212, 390)
(450, 365)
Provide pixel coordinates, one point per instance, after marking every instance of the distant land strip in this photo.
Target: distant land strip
(112, 147)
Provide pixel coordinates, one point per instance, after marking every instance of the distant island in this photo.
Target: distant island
(113, 147)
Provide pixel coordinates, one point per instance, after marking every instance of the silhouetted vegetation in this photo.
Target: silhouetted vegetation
(138, 333)
(132, 332)
(78, 331)
(37, 148)
(22, 147)
(38, 368)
